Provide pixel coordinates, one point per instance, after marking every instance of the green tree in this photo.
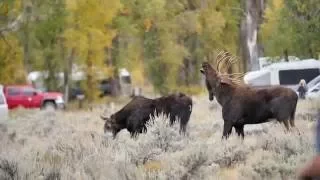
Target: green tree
(47, 34)
(293, 27)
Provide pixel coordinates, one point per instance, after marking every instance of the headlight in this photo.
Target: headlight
(59, 99)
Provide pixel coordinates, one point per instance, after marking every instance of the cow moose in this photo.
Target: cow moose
(138, 111)
(242, 104)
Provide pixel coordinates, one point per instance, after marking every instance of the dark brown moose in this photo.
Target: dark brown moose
(137, 112)
(242, 104)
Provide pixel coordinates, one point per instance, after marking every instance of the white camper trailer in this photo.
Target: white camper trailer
(284, 73)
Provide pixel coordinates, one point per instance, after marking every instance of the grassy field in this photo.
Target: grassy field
(71, 145)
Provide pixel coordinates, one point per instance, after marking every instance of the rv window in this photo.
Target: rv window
(289, 77)
(126, 79)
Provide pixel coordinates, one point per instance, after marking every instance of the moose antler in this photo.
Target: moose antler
(221, 59)
(225, 58)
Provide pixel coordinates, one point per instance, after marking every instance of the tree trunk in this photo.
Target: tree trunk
(26, 38)
(89, 64)
(51, 80)
(186, 69)
(286, 56)
(67, 73)
(311, 53)
(249, 28)
(26, 50)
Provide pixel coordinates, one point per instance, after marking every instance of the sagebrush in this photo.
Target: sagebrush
(71, 145)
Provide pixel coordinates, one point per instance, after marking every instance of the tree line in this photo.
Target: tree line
(161, 42)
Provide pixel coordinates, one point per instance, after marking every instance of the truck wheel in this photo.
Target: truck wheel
(51, 106)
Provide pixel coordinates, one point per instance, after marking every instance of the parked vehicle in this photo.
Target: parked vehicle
(107, 85)
(313, 82)
(3, 105)
(286, 74)
(313, 92)
(267, 61)
(28, 97)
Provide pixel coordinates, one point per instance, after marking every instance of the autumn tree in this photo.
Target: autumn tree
(88, 34)
(11, 65)
(170, 39)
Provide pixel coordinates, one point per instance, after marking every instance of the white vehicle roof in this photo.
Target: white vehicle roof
(303, 64)
(254, 74)
(32, 76)
(124, 72)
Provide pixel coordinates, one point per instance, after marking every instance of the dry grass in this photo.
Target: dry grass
(71, 145)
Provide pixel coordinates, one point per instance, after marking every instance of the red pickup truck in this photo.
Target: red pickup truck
(28, 97)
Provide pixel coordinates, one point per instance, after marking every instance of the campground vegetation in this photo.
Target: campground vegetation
(161, 42)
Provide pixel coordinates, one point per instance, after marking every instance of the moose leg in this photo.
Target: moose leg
(281, 111)
(144, 129)
(172, 119)
(239, 130)
(293, 125)
(227, 129)
(133, 134)
(182, 129)
(286, 125)
(292, 117)
(183, 122)
(231, 117)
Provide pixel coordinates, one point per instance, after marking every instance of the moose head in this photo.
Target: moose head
(214, 78)
(110, 127)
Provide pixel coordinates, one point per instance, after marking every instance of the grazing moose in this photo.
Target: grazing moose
(137, 112)
(242, 104)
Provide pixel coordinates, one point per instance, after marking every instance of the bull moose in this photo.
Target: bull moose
(138, 111)
(242, 104)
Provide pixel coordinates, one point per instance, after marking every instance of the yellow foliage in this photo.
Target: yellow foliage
(212, 20)
(4, 9)
(272, 15)
(138, 75)
(147, 24)
(125, 11)
(88, 35)
(11, 63)
(134, 63)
